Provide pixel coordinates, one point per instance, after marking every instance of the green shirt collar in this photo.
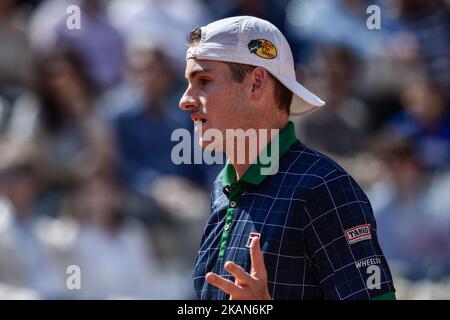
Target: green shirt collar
(253, 174)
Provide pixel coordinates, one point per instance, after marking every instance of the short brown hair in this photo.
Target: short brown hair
(239, 71)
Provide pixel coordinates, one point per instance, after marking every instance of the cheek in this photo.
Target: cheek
(221, 95)
(213, 99)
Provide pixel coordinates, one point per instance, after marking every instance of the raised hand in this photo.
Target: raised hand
(247, 286)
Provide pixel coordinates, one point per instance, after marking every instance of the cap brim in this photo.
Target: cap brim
(303, 100)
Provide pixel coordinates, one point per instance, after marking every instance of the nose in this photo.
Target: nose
(188, 102)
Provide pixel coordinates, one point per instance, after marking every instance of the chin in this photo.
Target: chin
(210, 145)
(203, 144)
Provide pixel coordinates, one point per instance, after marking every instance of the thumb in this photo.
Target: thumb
(257, 258)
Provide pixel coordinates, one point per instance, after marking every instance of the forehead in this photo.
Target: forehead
(194, 66)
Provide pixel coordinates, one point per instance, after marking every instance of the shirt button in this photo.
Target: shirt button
(227, 226)
(232, 204)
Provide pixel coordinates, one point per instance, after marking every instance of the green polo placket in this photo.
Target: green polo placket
(253, 176)
(235, 193)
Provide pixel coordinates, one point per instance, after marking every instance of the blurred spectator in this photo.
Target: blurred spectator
(414, 242)
(272, 11)
(161, 23)
(332, 72)
(335, 22)
(58, 117)
(30, 254)
(99, 45)
(390, 56)
(15, 54)
(72, 139)
(143, 132)
(114, 251)
(439, 201)
(426, 121)
(15, 58)
(427, 24)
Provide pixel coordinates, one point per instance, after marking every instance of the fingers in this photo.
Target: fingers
(257, 258)
(246, 286)
(225, 285)
(241, 276)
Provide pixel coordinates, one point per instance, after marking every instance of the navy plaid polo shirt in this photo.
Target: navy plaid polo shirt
(318, 231)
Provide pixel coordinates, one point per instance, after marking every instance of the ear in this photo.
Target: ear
(259, 83)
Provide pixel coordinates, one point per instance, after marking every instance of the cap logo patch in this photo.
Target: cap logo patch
(358, 233)
(262, 48)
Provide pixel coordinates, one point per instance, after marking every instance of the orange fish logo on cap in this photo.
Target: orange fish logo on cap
(262, 48)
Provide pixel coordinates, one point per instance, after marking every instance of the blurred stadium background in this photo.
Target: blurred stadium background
(86, 117)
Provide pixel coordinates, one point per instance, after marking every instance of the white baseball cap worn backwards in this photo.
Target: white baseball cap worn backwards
(257, 42)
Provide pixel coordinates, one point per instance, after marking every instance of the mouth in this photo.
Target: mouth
(198, 118)
(199, 123)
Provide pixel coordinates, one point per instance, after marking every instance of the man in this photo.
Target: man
(304, 231)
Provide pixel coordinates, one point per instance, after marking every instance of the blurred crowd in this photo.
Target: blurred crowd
(86, 117)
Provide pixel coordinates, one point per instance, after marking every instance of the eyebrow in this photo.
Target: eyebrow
(196, 72)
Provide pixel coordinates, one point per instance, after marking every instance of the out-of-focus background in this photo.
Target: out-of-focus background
(86, 116)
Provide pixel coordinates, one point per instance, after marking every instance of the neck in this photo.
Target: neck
(263, 136)
(240, 169)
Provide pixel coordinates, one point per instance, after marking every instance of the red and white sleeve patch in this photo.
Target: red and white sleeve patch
(358, 233)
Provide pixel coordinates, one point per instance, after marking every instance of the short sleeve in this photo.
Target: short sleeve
(340, 236)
